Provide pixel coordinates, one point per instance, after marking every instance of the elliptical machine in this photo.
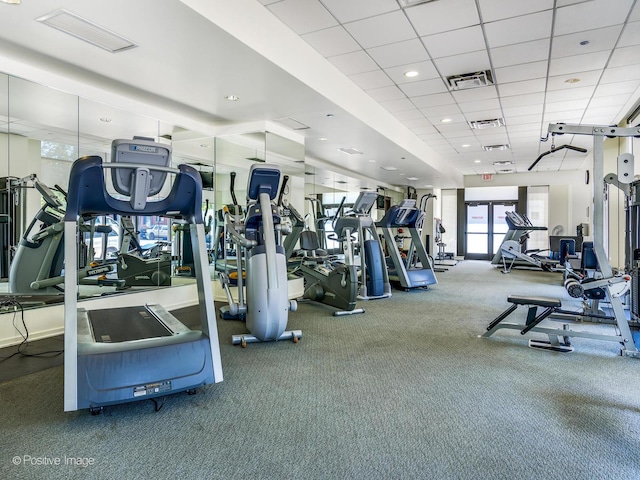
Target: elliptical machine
(374, 278)
(259, 244)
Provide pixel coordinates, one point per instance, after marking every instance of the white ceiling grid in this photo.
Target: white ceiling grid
(531, 49)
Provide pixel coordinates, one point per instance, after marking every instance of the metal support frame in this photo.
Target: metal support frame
(599, 133)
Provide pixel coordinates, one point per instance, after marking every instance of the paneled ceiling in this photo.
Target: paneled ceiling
(339, 68)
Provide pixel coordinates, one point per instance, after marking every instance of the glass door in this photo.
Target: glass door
(485, 228)
(477, 231)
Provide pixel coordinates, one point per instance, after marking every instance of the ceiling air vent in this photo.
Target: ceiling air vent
(491, 148)
(470, 80)
(480, 124)
(503, 163)
(350, 151)
(87, 31)
(506, 170)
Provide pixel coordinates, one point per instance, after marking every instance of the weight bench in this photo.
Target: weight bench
(558, 339)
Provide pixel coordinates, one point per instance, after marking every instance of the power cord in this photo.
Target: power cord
(13, 303)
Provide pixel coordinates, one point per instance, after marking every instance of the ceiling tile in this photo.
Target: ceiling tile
(578, 63)
(519, 88)
(425, 70)
(624, 56)
(386, 93)
(434, 100)
(516, 73)
(575, 93)
(433, 139)
(631, 34)
(359, 9)
(425, 87)
(523, 110)
(426, 130)
(475, 94)
(492, 10)
(519, 29)
(586, 79)
(525, 99)
(480, 105)
(418, 123)
(466, 63)
(381, 30)
(303, 16)
(332, 41)
(523, 127)
(355, 62)
(401, 53)
(526, 52)
(611, 100)
(407, 114)
(441, 111)
(523, 119)
(369, 80)
(436, 17)
(613, 75)
(590, 15)
(397, 105)
(484, 114)
(455, 42)
(599, 40)
(616, 88)
(551, 107)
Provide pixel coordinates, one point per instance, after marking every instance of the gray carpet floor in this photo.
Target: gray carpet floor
(405, 391)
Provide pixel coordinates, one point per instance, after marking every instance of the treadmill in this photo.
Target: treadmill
(415, 270)
(120, 355)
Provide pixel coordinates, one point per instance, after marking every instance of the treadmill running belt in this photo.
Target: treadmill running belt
(125, 324)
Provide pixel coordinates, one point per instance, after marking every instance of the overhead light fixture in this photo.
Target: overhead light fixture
(477, 161)
(350, 151)
(411, 74)
(372, 161)
(232, 98)
(105, 120)
(446, 120)
(572, 80)
(491, 148)
(389, 169)
(465, 81)
(413, 178)
(292, 123)
(491, 123)
(87, 31)
(323, 139)
(465, 145)
(12, 2)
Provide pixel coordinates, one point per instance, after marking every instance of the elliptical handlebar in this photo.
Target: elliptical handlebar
(337, 214)
(232, 188)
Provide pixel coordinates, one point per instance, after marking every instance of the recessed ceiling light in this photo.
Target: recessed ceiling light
(584, 42)
(411, 74)
(350, 151)
(323, 139)
(428, 186)
(412, 178)
(465, 145)
(204, 145)
(329, 115)
(105, 119)
(477, 161)
(232, 98)
(389, 169)
(446, 120)
(372, 161)
(572, 80)
(12, 2)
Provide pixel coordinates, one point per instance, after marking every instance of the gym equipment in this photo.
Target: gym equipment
(613, 286)
(511, 249)
(127, 354)
(326, 280)
(258, 240)
(414, 269)
(374, 278)
(39, 262)
(183, 240)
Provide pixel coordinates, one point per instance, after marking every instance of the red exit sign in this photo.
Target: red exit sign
(487, 176)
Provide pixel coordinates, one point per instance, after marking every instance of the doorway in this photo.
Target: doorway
(485, 228)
